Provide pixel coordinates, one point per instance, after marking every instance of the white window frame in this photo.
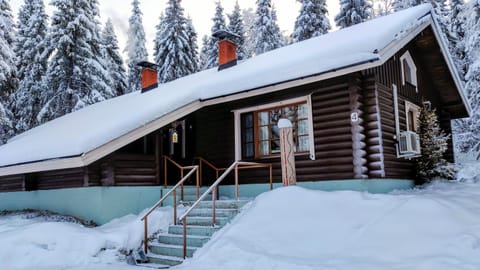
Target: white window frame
(409, 106)
(413, 69)
(238, 129)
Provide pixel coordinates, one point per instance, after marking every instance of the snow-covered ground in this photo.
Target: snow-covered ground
(436, 227)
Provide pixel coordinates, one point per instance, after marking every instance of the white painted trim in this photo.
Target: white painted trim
(286, 102)
(395, 108)
(311, 135)
(47, 165)
(238, 141)
(413, 68)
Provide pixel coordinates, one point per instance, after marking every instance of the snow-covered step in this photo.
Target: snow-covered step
(193, 230)
(221, 204)
(177, 239)
(206, 212)
(170, 250)
(164, 260)
(207, 221)
(154, 265)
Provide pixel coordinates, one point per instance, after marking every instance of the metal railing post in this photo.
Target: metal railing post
(236, 182)
(181, 187)
(214, 198)
(175, 207)
(184, 221)
(271, 178)
(165, 171)
(198, 184)
(145, 235)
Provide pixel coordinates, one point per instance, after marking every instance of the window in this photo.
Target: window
(257, 133)
(412, 112)
(409, 70)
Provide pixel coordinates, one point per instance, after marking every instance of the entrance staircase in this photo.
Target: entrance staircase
(167, 249)
(203, 215)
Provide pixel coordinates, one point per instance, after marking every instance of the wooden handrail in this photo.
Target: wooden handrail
(217, 170)
(182, 169)
(213, 189)
(159, 203)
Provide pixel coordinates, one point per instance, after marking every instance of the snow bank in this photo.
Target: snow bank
(38, 244)
(437, 227)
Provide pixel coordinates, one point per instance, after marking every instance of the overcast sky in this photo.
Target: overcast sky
(201, 12)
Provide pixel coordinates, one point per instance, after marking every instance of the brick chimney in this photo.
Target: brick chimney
(149, 76)
(227, 49)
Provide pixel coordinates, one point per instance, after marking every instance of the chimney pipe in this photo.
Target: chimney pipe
(149, 76)
(227, 49)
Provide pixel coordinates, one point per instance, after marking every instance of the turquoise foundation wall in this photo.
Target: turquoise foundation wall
(102, 204)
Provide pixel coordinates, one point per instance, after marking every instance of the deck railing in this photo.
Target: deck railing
(166, 160)
(193, 169)
(237, 165)
(201, 162)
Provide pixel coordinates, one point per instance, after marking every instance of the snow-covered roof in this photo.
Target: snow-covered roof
(67, 141)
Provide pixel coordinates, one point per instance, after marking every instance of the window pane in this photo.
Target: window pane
(248, 150)
(264, 149)
(263, 118)
(303, 127)
(274, 116)
(263, 133)
(275, 146)
(248, 120)
(303, 111)
(275, 132)
(248, 136)
(303, 144)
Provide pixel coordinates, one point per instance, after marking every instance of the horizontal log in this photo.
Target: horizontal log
(319, 171)
(326, 176)
(332, 131)
(320, 140)
(134, 157)
(325, 125)
(329, 110)
(135, 171)
(134, 178)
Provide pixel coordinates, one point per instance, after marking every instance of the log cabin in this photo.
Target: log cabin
(353, 97)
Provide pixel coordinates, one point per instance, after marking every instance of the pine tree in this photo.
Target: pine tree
(136, 50)
(312, 20)
(457, 34)
(353, 12)
(471, 45)
(76, 75)
(249, 20)
(8, 79)
(267, 33)
(31, 62)
(113, 59)
(237, 27)
(211, 49)
(203, 58)
(175, 48)
(434, 143)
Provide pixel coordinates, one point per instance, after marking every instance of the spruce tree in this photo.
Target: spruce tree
(433, 143)
(236, 26)
(403, 4)
(203, 58)
(471, 44)
(76, 75)
(267, 33)
(31, 62)
(8, 79)
(249, 20)
(113, 59)
(211, 49)
(353, 12)
(312, 20)
(136, 50)
(175, 51)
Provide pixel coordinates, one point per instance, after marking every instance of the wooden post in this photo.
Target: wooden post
(86, 176)
(287, 147)
(175, 207)
(165, 171)
(157, 158)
